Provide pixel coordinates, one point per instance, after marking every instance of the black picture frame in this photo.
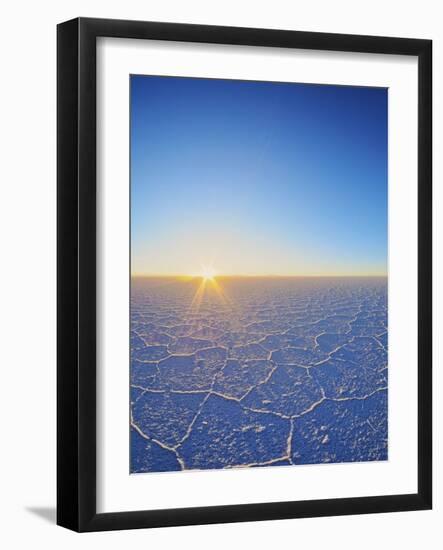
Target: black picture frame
(76, 266)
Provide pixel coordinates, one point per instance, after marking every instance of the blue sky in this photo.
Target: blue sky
(257, 178)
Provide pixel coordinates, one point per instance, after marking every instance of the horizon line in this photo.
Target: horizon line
(246, 276)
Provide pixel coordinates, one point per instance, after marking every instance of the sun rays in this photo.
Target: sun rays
(209, 287)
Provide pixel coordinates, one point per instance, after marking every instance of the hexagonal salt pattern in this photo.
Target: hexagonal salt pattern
(272, 371)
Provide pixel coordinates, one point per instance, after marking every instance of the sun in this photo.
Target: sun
(208, 285)
(208, 273)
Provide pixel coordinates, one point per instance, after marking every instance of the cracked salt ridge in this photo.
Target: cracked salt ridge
(348, 430)
(320, 335)
(228, 434)
(148, 455)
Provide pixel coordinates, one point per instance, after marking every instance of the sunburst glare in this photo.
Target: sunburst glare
(208, 273)
(208, 285)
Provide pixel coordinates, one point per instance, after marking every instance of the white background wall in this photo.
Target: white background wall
(27, 289)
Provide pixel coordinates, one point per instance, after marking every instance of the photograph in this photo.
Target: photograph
(258, 274)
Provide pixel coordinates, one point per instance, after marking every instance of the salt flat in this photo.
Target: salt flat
(259, 371)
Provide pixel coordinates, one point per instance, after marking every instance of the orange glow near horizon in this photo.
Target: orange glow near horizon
(219, 276)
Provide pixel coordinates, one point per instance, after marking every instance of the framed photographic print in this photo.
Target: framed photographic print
(244, 274)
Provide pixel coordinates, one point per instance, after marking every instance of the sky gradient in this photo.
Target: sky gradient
(257, 178)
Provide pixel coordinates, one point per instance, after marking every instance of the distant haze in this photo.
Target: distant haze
(257, 178)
